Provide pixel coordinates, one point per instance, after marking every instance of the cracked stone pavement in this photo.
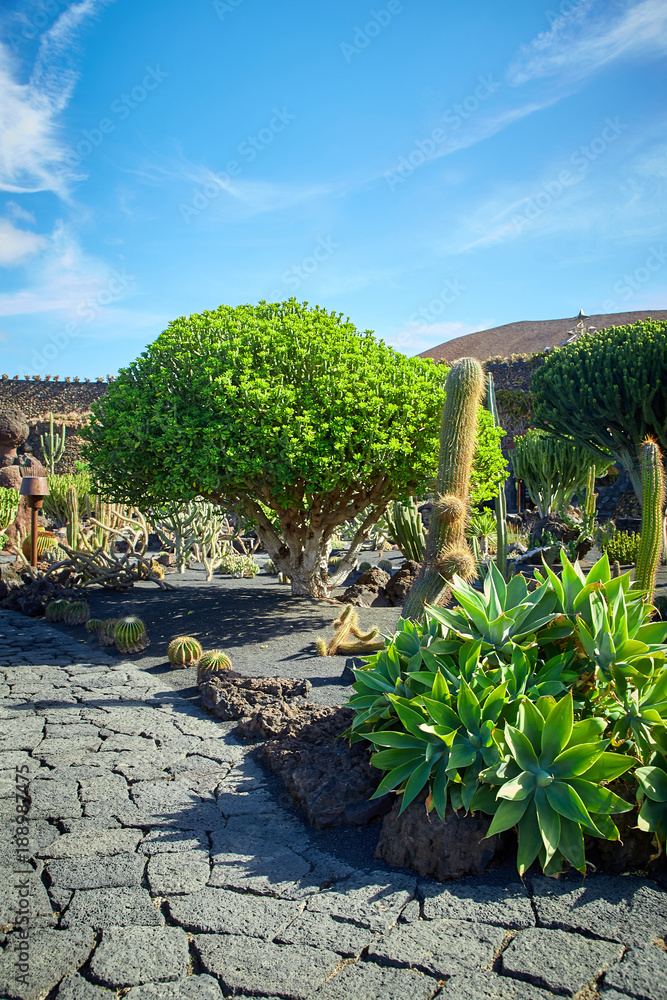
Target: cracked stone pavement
(158, 864)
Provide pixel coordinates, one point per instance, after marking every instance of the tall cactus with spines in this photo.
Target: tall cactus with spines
(72, 517)
(53, 445)
(447, 552)
(9, 506)
(501, 502)
(653, 496)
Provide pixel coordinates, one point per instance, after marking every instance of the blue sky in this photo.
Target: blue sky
(427, 169)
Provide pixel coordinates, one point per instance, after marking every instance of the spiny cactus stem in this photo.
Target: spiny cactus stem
(653, 496)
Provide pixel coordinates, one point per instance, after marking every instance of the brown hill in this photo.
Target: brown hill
(529, 336)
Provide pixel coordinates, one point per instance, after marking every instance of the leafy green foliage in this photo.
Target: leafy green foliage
(621, 547)
(238, 565)
(606, 390)
(523, 704)
(55, 504)
(279, 407)
(9, 505)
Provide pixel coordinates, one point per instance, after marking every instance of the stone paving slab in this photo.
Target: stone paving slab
(162, 865)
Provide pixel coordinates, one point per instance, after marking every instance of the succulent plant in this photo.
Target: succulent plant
(77, 613)
(130, 635)
(56, 611)
(348, 639)
(106, 634)
(404, 525)
(270, 567)
(364, 567)
(184, 651)
(501, 503)
(9, 505)
(386, 565)
(94, 624)
(653, 495)
(212, 662)
(46, 540)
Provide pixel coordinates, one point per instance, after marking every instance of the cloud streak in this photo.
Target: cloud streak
(30, 143)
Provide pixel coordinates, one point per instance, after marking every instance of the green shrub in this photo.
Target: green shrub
(523, 705)
(269, 567)
(622, 547)
(238, 565)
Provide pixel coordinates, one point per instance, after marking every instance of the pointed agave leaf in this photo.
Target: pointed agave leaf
(439, 788)
(484, 800)
(396, 777)
(441, 714)
(571, 844)
(557, 730)
(400, 741)
(549, 823)
(507, 815)
(586, 731)
(494, 704)
(598, 799)
(516, 592)
(531, 723)
(468, 708)
(415, 783)
(606, 828)
(608, 766)
(518, 788)
(462, 755)
(411, 720)
(440, 691)
(600, 572)
(564, 799)
(522, 749)
(577, 760)
(387, 760)
(530, 840)
(653, 783)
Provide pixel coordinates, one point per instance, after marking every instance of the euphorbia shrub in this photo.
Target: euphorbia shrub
(526, 705)
(287, 414)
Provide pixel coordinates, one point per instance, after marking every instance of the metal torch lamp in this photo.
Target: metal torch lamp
(35, 488)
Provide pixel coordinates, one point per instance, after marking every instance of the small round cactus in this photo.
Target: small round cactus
(106, 634)
(130, 635)
(94, 624)
(364, 567)
(385, 565)
(56, 611)
(77, 613)
(184, 651)
(46, 540)
(270, 567)
(213, 662)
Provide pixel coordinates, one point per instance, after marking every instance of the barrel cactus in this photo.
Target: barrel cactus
(46, 541)
(94, 625)
(364, 567)
(77, 613)
(56, 611)
(106, 635)
(184, 651)
(386, 565)
(130, 635)
(212, 662)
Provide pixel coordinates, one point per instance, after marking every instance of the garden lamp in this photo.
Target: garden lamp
(35, 488)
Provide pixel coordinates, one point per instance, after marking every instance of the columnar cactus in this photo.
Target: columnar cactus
(653, 497)
(184, 651)
(53, 445)
(212, 662)
(94, 625)
(106, 635)
(56, 611)
(405, 527)
(77, 613)
(9, 505)
(501, 503)
(72, 517)
(348, 639)
(130, 635)
(447, 552)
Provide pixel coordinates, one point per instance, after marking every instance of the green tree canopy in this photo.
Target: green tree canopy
(278, 408)
(608, 390)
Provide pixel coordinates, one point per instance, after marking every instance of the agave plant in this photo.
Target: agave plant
(652, 797)
(551, 774)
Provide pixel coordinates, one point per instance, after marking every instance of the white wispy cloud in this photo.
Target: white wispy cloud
(31, 149)
(591, 36)
(16, 244)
